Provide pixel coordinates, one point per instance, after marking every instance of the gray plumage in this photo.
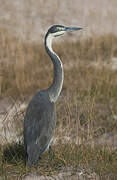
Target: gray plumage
(40, 118)
(40, 122)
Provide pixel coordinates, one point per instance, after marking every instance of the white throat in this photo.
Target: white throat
(56, 87)
(49, 42)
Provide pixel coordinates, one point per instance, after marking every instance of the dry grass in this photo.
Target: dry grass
(27, 68)
(100, 161)
(86, 108)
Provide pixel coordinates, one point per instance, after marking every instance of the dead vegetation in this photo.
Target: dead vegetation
(26, 68)
(86, 109)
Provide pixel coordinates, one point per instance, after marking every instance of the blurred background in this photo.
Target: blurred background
(30, 19)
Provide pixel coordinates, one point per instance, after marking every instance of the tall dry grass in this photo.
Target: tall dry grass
(87, 106)
(89, 92)
(26, 68)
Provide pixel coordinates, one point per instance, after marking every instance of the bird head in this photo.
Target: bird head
(57, 30)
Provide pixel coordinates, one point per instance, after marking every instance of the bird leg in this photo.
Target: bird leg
(40, 158)
(51, 153)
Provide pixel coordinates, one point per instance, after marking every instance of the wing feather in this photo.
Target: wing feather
(39, 123)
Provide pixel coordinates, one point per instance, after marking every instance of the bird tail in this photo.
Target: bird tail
(33, 155)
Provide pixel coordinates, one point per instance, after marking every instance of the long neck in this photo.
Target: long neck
(56, 86)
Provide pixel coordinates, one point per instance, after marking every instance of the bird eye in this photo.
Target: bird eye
(59, 28)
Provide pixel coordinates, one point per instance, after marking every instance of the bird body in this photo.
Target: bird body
(40, 113)
(40, 118)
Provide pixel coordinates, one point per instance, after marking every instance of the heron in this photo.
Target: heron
(40, 118)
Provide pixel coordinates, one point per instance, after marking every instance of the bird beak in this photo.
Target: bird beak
(70, 29)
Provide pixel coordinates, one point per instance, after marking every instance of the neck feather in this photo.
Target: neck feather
(56, 86)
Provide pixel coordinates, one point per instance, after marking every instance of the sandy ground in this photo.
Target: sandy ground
(66, 175)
